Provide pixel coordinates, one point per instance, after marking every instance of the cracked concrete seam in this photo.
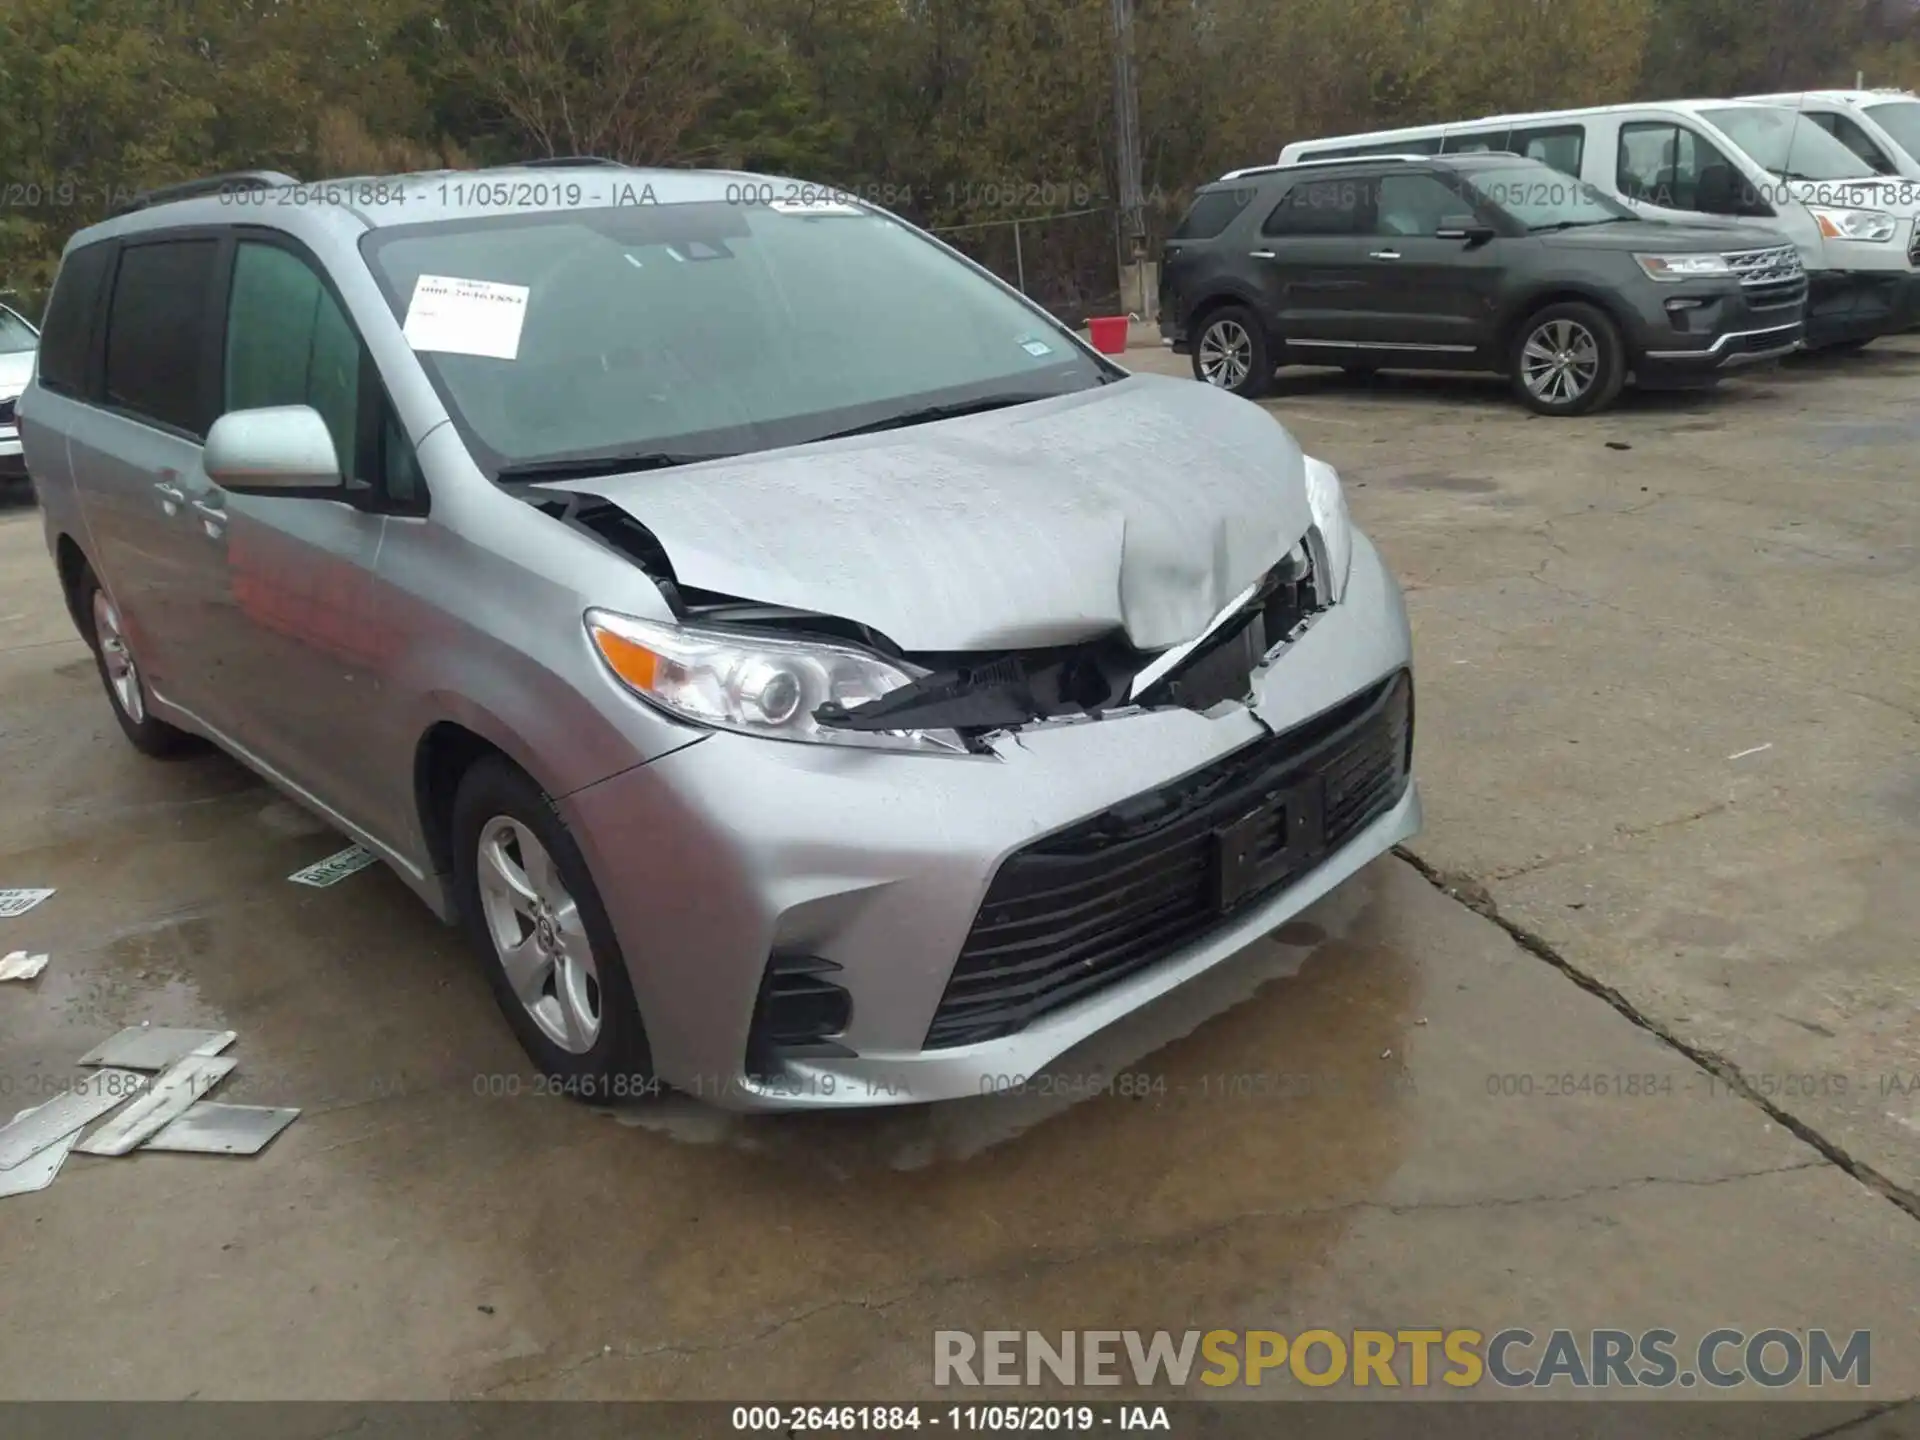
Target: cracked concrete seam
(1620, 832)
(1025, 1266)
(1476, 897)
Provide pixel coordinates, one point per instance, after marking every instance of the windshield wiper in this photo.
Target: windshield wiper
(589, 467)
(1576, 224)
(927, 414)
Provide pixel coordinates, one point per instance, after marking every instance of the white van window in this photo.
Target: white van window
(1788, 144)
(1677, 169)
(1477, 142)
(1562, 147)
(1855, 139)
(1901, 120)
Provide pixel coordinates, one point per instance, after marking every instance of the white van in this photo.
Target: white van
(1718, 160)
(1882, 127)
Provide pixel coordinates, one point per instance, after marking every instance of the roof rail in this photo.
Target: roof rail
(209, 185)
(554, 162)
(1310, 162)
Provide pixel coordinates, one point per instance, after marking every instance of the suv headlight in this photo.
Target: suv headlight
(1328, 504)
(763, 685)
(1683, 267)
(1854, 224)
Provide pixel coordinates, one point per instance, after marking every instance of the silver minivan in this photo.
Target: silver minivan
(809, 673)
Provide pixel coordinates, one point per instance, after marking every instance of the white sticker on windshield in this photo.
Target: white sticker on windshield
(1036, 348)
(813, 207)
(466, 317)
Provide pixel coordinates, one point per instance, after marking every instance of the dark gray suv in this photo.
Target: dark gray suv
(1469, 262)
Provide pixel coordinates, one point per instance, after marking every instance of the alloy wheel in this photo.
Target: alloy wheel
(123, 676)
(538, 935)
(1226, 354)
(1560, 362)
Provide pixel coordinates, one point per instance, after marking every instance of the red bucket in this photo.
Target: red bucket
(1109, 334)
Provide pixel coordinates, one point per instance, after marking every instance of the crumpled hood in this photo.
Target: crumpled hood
(1146, 505)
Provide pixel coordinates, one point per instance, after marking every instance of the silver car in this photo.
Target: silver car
(18, 342)
(809, 673)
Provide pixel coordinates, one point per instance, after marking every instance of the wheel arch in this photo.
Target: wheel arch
(1525, 308)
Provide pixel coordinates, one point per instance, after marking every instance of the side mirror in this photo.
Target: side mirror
(1465, 227)
(279, 450)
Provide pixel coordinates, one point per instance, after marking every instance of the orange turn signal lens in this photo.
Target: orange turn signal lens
(631, 661)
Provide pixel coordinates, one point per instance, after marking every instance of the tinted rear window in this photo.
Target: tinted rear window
(1212, 212)
(155, 329)
(69, 321)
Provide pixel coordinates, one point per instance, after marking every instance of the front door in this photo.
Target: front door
(1431, 298)
(300, 648)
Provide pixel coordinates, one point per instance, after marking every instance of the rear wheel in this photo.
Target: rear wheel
(1230, 353)
(120, 673)
(1568, 359)
(533, 914)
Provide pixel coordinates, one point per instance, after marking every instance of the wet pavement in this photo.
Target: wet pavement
(1375, 1117)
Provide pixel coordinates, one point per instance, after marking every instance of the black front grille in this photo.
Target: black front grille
(1109, 896)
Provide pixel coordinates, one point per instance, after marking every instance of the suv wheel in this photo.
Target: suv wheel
(1568, 359)
(120, 673)
(1230, 353)
(532, 912)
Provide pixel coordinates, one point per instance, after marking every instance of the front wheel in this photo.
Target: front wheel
(1230, 353)
(1568, 359)
(531, 910)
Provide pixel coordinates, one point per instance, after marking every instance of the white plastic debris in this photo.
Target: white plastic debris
(18, 902)
(19, 965)
(334, 868)
(36, 1172)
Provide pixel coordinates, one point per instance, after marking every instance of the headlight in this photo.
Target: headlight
(1328, 502)
(1683, 267)
(1854, 224)
(762, 685)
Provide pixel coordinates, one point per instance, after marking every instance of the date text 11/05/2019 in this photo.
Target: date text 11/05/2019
(1033, 1419)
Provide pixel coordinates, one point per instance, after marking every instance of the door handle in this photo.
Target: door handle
(1261, 254)
(1384, 255)
(171, 495)
(212, 518)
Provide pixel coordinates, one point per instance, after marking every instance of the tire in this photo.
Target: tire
(1567, 359)
(1230, 352)
(120, 676)
(579, 1022)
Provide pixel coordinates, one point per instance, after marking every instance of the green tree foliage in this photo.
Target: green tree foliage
(957, 112)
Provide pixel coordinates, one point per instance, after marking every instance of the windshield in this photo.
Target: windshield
(1789, 144)
(701, 329)
(16, 336)
(1901, 120)
(1542, 198)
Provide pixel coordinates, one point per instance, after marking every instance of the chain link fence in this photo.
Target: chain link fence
(1067, 260)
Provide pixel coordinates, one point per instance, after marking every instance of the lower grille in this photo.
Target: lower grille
(6, 410)
(1112, 895)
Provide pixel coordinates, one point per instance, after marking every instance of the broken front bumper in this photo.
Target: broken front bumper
(753, 883)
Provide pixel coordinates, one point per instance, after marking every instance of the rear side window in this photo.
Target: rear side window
(155, 330)
(1320, 207)
(1561, 146)
(68, 331)
(1479, 142)
(1212, 212)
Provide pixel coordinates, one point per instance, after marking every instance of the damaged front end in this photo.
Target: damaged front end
(794, 674)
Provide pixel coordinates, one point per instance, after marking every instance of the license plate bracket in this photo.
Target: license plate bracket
(1280, 837)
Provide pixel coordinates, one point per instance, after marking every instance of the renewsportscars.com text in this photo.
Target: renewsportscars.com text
(1511, 1358)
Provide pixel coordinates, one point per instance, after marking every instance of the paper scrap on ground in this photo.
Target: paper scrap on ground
(212, 1128)
(155, 1047)
(334, 868)
(66, 1114)
(19, 965)
(18, 902)
(466, 317)
(169, 1097)
(37, 1173)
